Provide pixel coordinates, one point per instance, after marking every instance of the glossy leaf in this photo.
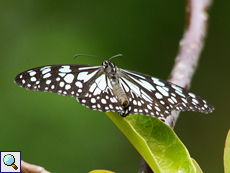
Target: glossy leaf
(198, 170)
(156, 142)
(227, 154)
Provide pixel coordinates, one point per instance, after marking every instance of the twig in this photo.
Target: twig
(190, 48)
(30, 168)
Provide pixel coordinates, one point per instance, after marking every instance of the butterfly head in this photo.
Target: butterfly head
(109, 67)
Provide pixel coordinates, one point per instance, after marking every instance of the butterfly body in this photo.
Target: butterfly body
(112, 72)
(108, 88)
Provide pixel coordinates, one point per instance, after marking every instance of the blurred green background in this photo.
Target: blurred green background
(61, 135)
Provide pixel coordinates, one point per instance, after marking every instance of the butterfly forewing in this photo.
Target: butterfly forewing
(87, 83)
(68, 80)
(163, 95)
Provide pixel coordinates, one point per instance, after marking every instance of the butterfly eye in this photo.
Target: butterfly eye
(105, 64)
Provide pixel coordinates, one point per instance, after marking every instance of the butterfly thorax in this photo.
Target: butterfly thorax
(111, 72)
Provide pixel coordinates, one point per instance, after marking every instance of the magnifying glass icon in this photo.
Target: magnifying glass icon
(9, 160)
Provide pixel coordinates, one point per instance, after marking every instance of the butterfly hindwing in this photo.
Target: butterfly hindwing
(99, 96)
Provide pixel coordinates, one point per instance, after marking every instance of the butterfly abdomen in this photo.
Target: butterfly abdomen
(119, 92)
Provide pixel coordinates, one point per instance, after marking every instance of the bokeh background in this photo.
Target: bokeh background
(58, 133)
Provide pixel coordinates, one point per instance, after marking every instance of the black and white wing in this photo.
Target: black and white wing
(92, 88)
(85, 82)
(151, 96)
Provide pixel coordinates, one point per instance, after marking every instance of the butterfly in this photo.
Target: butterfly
(108, 88)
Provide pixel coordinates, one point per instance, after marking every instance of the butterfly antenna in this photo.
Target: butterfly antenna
(88, 55)
(116, 56)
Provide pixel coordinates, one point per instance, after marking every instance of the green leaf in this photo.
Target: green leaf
(101, 171)
(227, 154)
(198, 170)
(156, 142)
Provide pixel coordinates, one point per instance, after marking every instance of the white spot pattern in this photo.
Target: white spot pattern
(103, 101)
(48, 82)
(93, 100)
(159, 96)
(67, 86)
(61, 84)
(47, 75)
(62, 74)
(85, 76)
(78, 84)
(65, 69)
(46, 70)
(91, 86)
(69, 78)
(160, 89)
(32, 73)
(157, 81)
(33, 79)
